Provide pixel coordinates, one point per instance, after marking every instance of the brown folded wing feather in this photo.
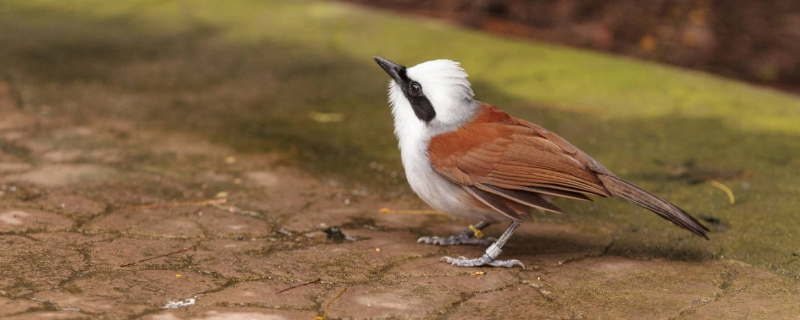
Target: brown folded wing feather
(498, 158)
(513, 154)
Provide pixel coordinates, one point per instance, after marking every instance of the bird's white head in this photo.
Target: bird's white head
(430, 98)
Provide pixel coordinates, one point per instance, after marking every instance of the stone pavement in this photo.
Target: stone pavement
(222, 233)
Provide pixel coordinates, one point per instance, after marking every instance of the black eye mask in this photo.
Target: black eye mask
(416, 96)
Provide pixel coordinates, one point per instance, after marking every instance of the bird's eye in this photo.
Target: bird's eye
(414, 88)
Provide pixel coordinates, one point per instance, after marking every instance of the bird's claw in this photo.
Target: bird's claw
(482, 261)
(457, 240)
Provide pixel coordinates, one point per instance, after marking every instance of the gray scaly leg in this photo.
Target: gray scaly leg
(491, 254)
(472, 235)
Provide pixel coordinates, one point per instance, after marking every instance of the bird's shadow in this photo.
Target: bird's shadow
(531, 245)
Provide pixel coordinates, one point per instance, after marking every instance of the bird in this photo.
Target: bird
(472, 160)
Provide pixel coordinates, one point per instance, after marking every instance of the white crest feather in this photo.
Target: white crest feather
(445, 85)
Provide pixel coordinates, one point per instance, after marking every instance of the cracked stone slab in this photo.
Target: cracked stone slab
(416, 296)
(384, 301)
(328, 212)
(423, 288)
(96, 305)
(120, 196)
(348, 261)
(322, 208)
(56, 315)
(70, 240)
(15, 306)
(26, 220)
(229, 313)
(131, 289)
(233, 259)
(30, 266)
(222, 223)
(71, 205)
(748, 292)
(110, 255)
(264, 294)
(64, 174)
(618, 287)
(507, 304)
(162, 222)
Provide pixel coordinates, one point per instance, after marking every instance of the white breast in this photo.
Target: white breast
(414, 136)
(435, 190)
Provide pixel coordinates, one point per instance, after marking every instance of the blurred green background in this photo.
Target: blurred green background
(297, 79)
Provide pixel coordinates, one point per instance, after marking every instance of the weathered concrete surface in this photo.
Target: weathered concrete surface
(67, 227)
(124, 124)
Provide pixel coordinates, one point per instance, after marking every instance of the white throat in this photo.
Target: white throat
(414, 133)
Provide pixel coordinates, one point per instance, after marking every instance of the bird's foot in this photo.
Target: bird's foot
(465, 237)
(484, 260)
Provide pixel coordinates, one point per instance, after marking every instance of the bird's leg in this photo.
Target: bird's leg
(472, 235)
(491, 254)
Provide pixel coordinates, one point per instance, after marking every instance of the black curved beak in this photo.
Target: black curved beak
(396, 71)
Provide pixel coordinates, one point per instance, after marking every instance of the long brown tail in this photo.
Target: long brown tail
(626, 190)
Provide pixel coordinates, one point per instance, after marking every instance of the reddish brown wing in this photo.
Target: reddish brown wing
(506, 162)
(515, 160)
